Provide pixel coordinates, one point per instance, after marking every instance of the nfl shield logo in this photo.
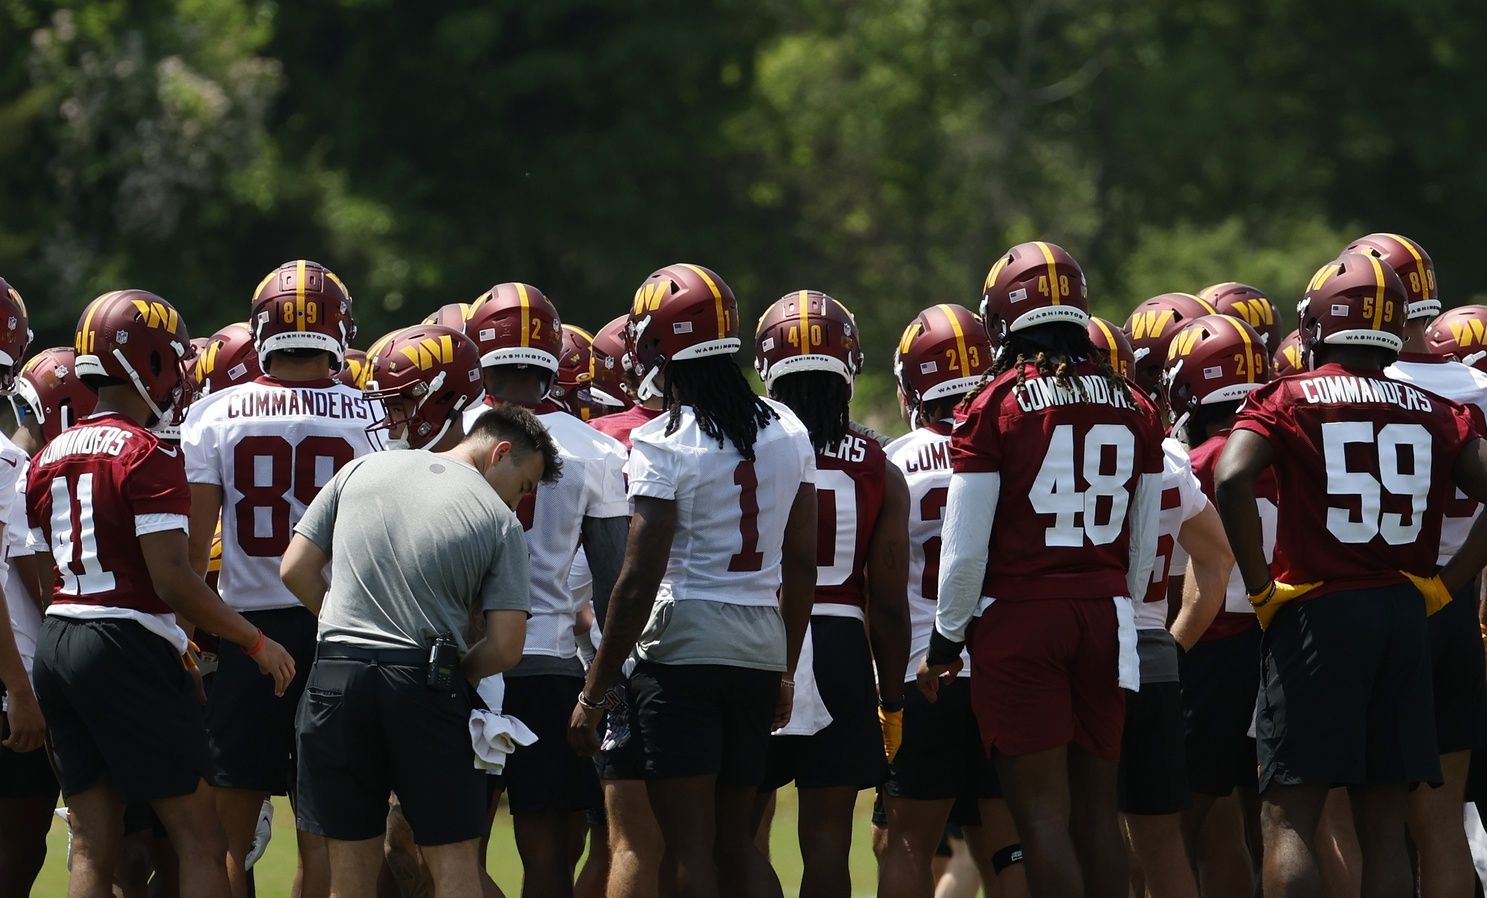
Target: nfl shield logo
(121, 337)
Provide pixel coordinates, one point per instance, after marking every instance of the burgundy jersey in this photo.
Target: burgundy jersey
(1365, 465)
(619, 424)
(1069, 467)
(849, 497)
(1236, 616)
(90, 492)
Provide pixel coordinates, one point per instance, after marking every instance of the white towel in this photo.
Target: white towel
(1128, 670)
(808, 716)
(492, 691)
(494, 736)
(1476, 837)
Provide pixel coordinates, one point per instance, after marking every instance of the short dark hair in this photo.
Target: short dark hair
(519, 427)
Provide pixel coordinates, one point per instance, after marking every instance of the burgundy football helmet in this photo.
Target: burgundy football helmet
(944, 352)
(575, 371)
(1215, 358)
(1151, 327)
(50, 391)
(229, 358)
(434, 370)
(1461, 333)
(353, 372)
(15, 335)
(610, 388)
(1410, 261)
(680, 312)
(140, 339)
(451, 315)
(1288, 357)
(1247, 303)
(1108, 338)
(1031, 284)
(301, 305)
(515, 324)
(1354, 300)
(806, 330)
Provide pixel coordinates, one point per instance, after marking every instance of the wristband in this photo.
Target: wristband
(786, 681)
(1268, 591)
(584, 702)
(892, 707)
(943, 649)
(257, 646)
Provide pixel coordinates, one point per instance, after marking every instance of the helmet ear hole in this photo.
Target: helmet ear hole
(157, 364)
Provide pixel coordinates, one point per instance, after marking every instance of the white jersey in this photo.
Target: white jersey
(25, 619)
(1461, 383)
(730, 513)
(1182, 500)
(592, 486)
(271, 446)
(924, 457)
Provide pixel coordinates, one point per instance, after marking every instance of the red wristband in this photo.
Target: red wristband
(257, 646)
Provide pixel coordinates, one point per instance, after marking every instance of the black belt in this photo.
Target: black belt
(390, 657)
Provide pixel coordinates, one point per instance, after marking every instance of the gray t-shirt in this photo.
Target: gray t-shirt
(416, 542)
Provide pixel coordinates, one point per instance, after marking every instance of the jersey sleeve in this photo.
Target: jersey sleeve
(17, 530)
(155, 488)
(608, 499)
(1263, 413)
(976, 442)
(1190, 491)
(199, 445)
(506, 586)
(652, 470)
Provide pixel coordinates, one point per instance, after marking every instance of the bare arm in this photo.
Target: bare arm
(1470, 475)
(206, 509)
(1202, 537)
(798, 574)
(182, 588)
(1246, 454)
(35, 573)
(303, 571)
(499, 649)
(888, 588)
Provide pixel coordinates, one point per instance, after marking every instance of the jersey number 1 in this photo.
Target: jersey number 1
(76, 545)
(748, 558)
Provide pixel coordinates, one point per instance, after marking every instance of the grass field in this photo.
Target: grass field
(275, 871)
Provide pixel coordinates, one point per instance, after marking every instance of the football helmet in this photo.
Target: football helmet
(680, 312)
(1031, 284)
(1215, 358)
(434, 369)
(1107, 337)
(806, 330)
(1410, 261)
(945, 351)
(229, 358)
(575, 371)
(1354, 300)
(515, 324)
(15, 335)
(301, 305)
(1461, 333)
(1288, 358)
(353, 371)
(49, 390)
(452, 315)
(1151, 327)
(140, 339)
(608, 387)
(1247, 303)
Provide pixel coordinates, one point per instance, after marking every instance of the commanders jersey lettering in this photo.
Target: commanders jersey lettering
(1346, 388)
(852, 448)
(930, 456)
(1044, 392)
(297, 403)
(86, 441)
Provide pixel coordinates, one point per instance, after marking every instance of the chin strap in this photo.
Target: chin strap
(140, 386)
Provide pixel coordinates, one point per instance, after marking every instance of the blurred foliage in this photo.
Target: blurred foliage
(881, 150)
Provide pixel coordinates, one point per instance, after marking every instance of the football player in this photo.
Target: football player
(229, 358)
(123, 713)
(1287, 358)
(1456, 660)
(548, 785)
(48, 398)
(808, 352)
(941, 773)
(426, 378)
(1367, 466)
(1460, 333)
(717, 585)
(1248, 304)
(256, 455)
(1050, 529)
(1151, 326)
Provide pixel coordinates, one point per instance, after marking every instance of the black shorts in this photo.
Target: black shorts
(547, 775)
(367, 729)
(1456, 674)
(25, 774)
(941, 755)
(705, 719)
(628, 761)
(1220, 679)
(1345, 692)
(120, 705)
(1153, 761)
(250, 731)
(849, 751)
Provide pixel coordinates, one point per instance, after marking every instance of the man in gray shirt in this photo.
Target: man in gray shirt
(418, 544)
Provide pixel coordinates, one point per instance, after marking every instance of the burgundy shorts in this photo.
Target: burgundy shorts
(1043, 674)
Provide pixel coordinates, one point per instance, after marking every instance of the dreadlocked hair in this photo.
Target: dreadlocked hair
(724, 403)
(821, 399)
(1053, 350)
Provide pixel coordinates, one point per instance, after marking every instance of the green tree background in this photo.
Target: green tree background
(881, 150)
